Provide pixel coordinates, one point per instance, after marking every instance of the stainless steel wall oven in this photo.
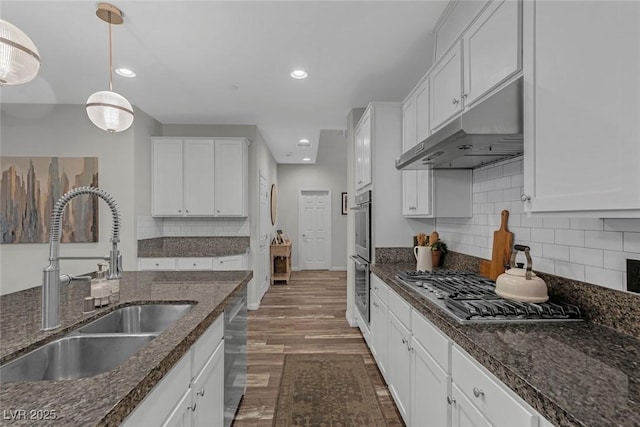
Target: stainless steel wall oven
(362, 257)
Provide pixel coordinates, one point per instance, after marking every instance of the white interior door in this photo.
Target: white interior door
(262, 261)
(314, 226)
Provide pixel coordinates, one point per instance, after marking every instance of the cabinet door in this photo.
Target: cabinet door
(167, 188)
(199, 177)
(181, 414)
(409, 192)
(492, 49)
(409, 126)
(429, 389)
(422, 111)
(231, 178)
(208, 391)
(589, 111)
(379, 333)
(400, 366)
(463, 413)
(363, 150)
(446, 87)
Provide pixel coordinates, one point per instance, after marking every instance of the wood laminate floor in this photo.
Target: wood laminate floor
(305, 316)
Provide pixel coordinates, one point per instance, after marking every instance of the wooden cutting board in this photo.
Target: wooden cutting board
(502, 242)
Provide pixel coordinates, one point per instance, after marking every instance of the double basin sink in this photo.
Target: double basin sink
(97, 347)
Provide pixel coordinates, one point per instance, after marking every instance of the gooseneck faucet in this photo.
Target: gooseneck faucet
(51, 278)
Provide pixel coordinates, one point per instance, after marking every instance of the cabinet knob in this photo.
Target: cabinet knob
(187, 211)
(179, 210)
(525, 198)
(194, 264)
(192, 407)
(463, 96)
(477, 392)
(451, 401)
(455, 101)
(218, 210)
(200, 393)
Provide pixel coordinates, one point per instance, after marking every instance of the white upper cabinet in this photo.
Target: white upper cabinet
(488, 54)
(582, 107)
(453, 22)
(199, 177)
(446, 87)
(231, 178)
(167, 178)
(363, 150)
(492, 49)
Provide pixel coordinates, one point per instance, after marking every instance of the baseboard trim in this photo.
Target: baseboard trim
(338, 269)
(351, 320)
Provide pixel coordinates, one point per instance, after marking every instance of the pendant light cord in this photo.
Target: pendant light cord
(110, 57)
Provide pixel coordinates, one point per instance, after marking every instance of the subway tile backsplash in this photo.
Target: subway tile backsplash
(151, 228)
(592, 250)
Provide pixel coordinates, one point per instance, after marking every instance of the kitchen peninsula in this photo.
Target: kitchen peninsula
(108, 398)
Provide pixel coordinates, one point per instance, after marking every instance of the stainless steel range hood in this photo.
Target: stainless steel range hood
(488, 132)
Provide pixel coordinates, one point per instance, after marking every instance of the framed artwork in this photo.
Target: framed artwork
(344, 204)
(29, 188)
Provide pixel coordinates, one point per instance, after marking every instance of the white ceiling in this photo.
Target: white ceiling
(228, 62)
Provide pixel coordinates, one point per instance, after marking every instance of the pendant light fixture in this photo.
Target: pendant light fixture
(19, 57)
(107, 109)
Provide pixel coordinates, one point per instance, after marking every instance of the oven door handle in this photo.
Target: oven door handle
(359, 260)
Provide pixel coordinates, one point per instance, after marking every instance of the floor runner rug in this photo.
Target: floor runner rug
(326, 390)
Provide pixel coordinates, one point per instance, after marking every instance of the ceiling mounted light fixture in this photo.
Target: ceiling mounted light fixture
(125, 72)
(299, 74)
(107, 109)
(19, 57)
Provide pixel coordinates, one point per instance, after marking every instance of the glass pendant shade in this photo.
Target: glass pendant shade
(110, 111)
(19, 57)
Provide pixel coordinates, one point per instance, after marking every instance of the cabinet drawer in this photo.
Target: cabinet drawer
(380, 289)
(493, 399)
(206, 344)
(194, 263)
(436, 344)
(232, 262)
(400, 308)
(157, 263)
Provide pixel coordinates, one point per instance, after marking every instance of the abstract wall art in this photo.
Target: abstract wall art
(30, 186)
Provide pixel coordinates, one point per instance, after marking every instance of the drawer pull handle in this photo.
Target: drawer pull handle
(477, 392)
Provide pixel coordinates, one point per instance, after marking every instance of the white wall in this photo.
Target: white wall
(592, 250)
(65, 131)
(328, 173)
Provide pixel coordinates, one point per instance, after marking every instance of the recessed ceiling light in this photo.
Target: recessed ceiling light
(304, 141)
(299, 74)
(125, 72)
(306, 159)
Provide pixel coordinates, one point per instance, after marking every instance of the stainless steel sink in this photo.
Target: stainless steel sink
(74, 356)
(148, 318)
(97, 347)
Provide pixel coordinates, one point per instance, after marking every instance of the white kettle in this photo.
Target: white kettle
(519, 284)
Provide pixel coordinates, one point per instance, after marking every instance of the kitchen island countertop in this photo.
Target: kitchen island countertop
(573, 373)
(107, 399)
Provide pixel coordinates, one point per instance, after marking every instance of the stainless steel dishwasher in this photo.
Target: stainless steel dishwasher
(235, 356)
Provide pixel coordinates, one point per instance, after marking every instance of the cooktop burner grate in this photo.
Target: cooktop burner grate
(472, 298)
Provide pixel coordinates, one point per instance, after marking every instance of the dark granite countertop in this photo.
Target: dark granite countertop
(573, 373)
(108, 398)
(192, 246)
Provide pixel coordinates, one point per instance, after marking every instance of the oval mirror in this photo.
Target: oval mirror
(274, 203)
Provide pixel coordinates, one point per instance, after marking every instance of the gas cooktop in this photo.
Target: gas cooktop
(471, 298)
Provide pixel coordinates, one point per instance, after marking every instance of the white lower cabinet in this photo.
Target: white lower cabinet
(464, 414)
(429, 389)
(499, 405)
(432, 381)
(230, 262)
(192, 392)
(400, 366)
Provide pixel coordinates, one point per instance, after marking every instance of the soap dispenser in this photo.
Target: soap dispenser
(100, 288)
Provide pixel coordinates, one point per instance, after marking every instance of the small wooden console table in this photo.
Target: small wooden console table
(283, 269)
